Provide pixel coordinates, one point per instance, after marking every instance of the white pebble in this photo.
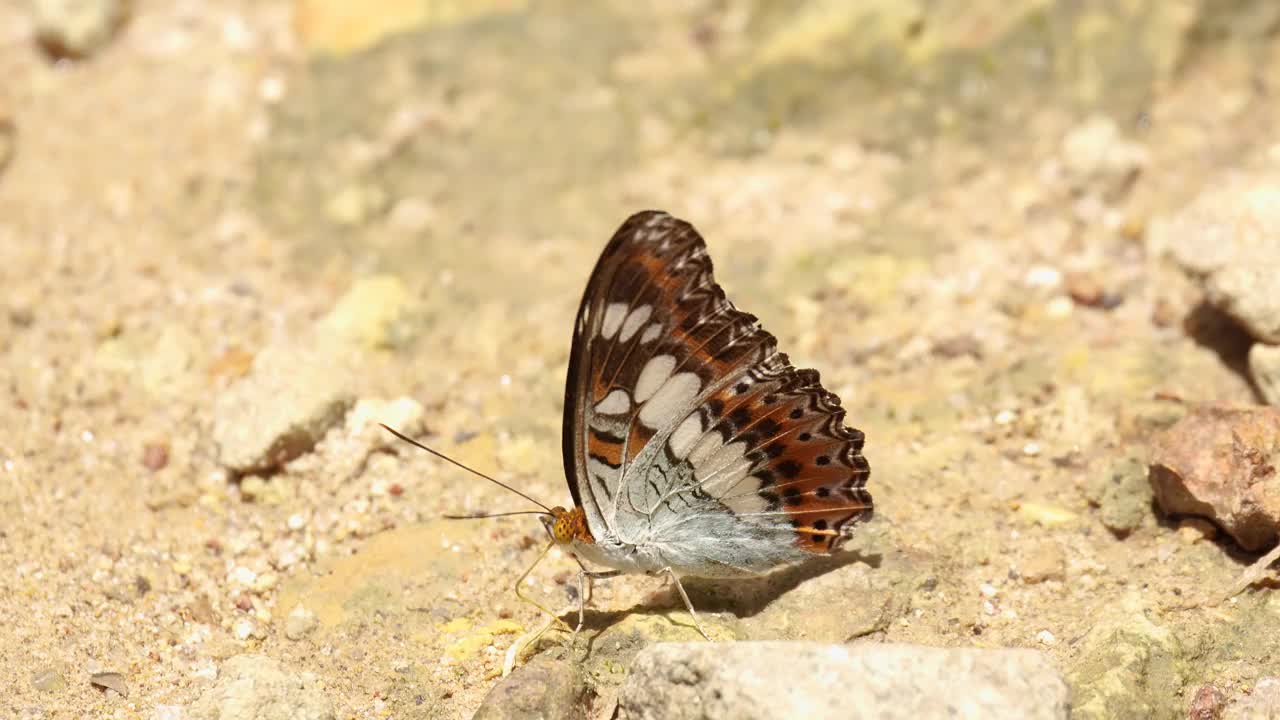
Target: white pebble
(243, 629)
(1006, 417)
(242, 575)
(1043, 276)
(1059, 307)
(1044, 637)
(988, 590)
(1031, 449)
(297, 522)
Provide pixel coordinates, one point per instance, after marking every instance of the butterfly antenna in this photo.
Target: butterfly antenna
(477, 473)
(482, 516)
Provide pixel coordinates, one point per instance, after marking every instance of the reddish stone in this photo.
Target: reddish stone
(1219, 462)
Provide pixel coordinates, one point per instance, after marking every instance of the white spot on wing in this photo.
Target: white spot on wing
(651, 333)
(601, 471)
(722, 462)
(710, 443)
(615, 403)
(654, 373)
(634, 321)
(613, 315)
(671, 399)
(686, 435)
(746, 503)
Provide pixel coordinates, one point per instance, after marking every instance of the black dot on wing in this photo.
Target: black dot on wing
(768, 427)
(823, 491)
(819, 524)
(741, 388)
(797, 414)
(765, 477)
(791, 496)
(820, 539)
(788, 468)
(773, 450)
(769, 399)
(804, 437)
(716, 406)
(740, 416)
(795, 523)
(823, 460)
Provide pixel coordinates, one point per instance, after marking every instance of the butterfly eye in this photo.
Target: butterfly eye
(562, 531)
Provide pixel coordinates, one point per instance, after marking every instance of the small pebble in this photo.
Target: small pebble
(48, 680)
(155, 456)
(1043, 276)
(1045, 563)
(1087, 291)
(300, 623)
(1193, 530)
(1044, 637)
(242, 575)
(110, 681)
(243, 629)
(76, 28)
(265, 583)
(1059, 307)
(252, 486)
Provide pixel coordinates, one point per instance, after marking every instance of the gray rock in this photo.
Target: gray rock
(1262, 703)
(1230, 238)
(280, 410)
(76, 28)
(1096, 154)
(1264, 366)
(545, 689)
(1123, 496)
(1130, 667)
(255, 687)
(1249, 291)
(811, 680)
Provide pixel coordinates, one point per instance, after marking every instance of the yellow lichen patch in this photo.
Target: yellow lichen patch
(456, 625)
(469, 646)
(504, 627)
(1045, 515)
(347, 26)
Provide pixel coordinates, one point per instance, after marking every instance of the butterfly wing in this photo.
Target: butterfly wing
(683, 423)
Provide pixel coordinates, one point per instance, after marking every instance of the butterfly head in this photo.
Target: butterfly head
(565, 526)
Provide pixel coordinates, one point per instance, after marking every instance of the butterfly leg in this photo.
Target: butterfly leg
(520, 582)
(585, 579)
(685, 596)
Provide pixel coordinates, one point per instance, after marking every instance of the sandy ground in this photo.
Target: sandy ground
(206, 188)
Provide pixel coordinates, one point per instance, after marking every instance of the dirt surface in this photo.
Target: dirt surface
(915, 206)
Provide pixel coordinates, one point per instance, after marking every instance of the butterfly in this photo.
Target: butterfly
(692, 447)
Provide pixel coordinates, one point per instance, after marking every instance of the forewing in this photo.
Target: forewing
(654, 334)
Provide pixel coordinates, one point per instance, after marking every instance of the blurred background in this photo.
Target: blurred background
(1025, 241)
